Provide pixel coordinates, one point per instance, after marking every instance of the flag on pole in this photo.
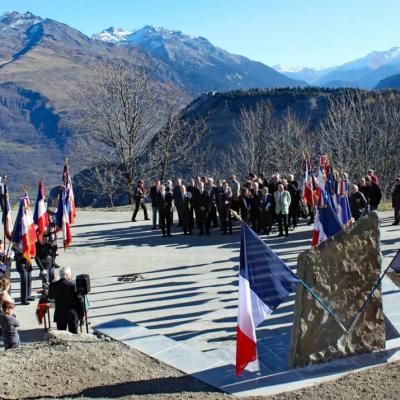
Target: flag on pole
(67, 182)
(343, 202)
(40, 217)
(308, 193)
(265, 281)
(7, 219)
(62, 216)
(24, 236)
(395, 263)
(326, 221)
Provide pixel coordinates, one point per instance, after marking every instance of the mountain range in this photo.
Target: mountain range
(366, 72)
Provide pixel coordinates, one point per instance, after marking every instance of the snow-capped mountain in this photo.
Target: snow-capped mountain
(200, 64)
(365, 72)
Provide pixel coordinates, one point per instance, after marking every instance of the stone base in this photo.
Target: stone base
(342, 271)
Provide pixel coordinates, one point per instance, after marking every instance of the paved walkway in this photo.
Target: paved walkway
(184, 287)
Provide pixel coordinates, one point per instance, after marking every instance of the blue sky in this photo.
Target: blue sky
(288, 32)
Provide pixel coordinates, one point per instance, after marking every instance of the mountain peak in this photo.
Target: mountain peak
(14, 19)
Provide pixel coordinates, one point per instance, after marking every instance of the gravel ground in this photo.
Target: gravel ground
(83, 366)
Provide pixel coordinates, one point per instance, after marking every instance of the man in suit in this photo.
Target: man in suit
(282, 204)
(69, 308)
(184, 210)
(192, 189)
(212, 191)
(203, 208)
(265, 211)
(294, 209)
(153, 195)
(176, 192)
(164, 205)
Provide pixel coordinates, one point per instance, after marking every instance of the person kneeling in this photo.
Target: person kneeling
(69, 308)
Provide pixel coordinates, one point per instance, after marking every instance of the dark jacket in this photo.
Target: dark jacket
(139, 195)
(375, 194)
(203, 201)
(396, 197)
(184, 208)
(69, 306)
(358, 205)
(153, 196)
(9, 325)
(164, 205)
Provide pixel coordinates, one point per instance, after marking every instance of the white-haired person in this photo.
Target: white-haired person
(68, 305)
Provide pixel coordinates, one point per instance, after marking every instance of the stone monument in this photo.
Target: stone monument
(342, 271)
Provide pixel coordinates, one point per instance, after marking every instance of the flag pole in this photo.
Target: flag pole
(367, 300)
(325, 307)
(4, 221)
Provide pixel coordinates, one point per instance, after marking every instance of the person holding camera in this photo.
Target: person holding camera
(69, 307)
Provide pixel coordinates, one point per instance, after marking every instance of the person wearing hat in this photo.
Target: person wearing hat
(396, 200)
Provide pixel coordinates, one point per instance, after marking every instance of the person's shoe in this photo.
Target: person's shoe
(287, 234)
(164, 236)
(25, 303)
(395, 223)
(185, 233)
(31, 298)
(169, 235)
(147, 219)
(133, 220)
(281, 234)
(153, 228)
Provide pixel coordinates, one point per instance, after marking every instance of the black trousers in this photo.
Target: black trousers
(293, 215)
(26, 282)
(226, 220)
(137, 205)
(266, 221)
(282, 223)
(204, 221)
(165, 222)
(397, 215)
(212, 216)
(72, 325)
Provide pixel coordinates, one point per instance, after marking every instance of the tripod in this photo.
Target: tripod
(84, 313)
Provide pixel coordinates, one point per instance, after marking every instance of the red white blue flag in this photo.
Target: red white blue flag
(40, 217)
(7, 219)
(265, 281)
(67, 182)
(24, 236)
(63, 215)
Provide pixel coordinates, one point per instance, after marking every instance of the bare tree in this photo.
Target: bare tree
(121, 111)
(176, 144)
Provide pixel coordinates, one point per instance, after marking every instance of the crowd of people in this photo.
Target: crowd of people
(204, 204)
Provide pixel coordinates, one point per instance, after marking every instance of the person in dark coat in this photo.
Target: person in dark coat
(226, 206)
(184, 210)
(358, 203)
(164, 205)
(396, 201)
(254, 212)
(24, 268)
(294, 208)
(69, 308)
(212, 191)
(203, 208)
(44, 260)
(192, 189)
(153, 196)
(375, 194)
(266, 210)
(176, 192)
(9, 325)
(140, 195)
(245, 204)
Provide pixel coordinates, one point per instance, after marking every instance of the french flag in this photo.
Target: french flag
(7, 219)
(24, 233)
(70, 193)
(395, 263)
(265, 281)
(62, 217)
(40, 217)
(308, 194)
(326, 221)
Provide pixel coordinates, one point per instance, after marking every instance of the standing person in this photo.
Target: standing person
(254, 198)
(265, 211)
(396, 201)
(184, 210)
(164, 205)
(363, 188)
(212, 191)
(294, 209)
(140, 194)
(24, 268)
(169, 189)
(176, 192)
(9, 325)
(375, 194)
(203, 207)
(69, 308)
(153, 196)
(226, 215)
(44, 260)
(358, 203)
(235, 187)
(245, 204)
(282, 204)
(193, 193)
(374, 178)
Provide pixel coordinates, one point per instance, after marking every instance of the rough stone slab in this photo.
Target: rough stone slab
(342, 271)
